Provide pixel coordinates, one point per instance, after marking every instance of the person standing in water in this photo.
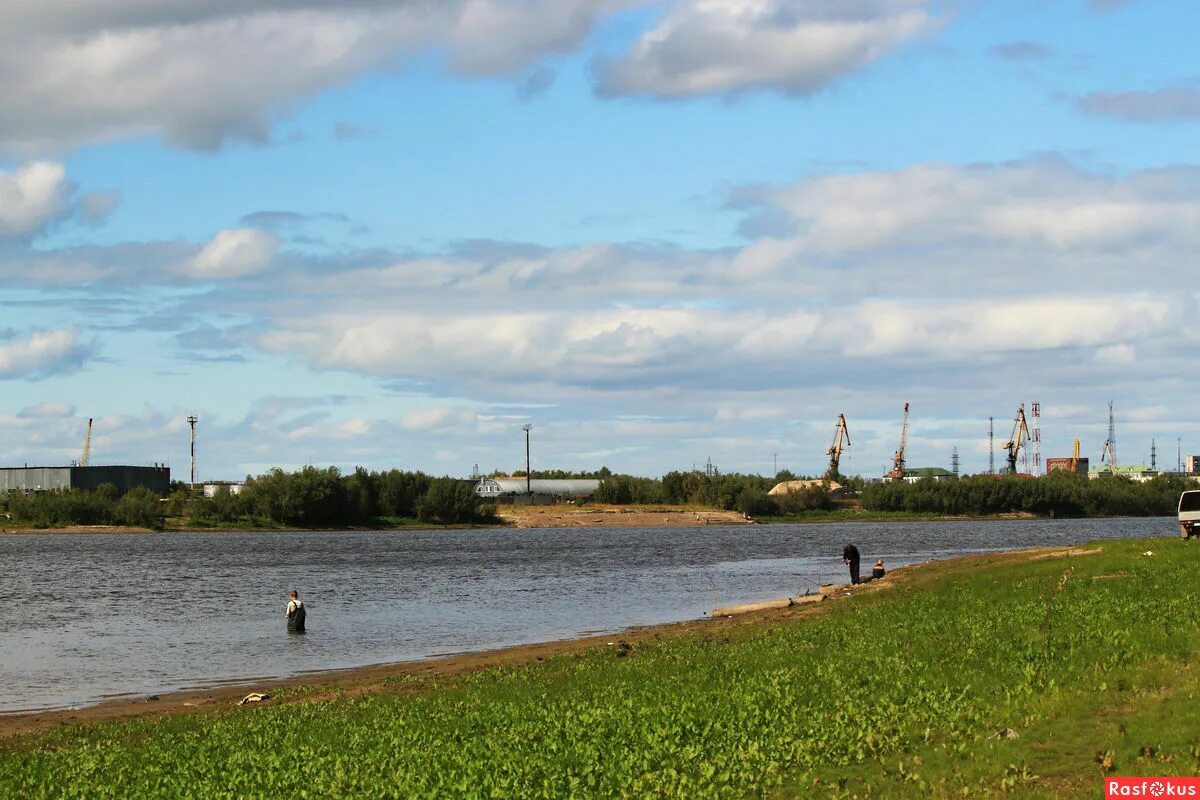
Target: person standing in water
(295, 613)
(850, 557)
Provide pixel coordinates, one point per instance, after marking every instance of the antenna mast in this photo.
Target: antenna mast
(954, 461)
(1110, 446)
(1036, 440)
(991, 446)
(192, 420)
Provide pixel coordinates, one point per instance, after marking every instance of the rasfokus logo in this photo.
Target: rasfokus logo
(1151, 787)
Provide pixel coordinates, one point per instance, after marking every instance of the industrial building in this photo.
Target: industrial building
(1080, 465)
(496, 488)
(918, 474)
(1138, 473)
(40, 479)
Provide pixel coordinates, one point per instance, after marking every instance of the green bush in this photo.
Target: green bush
(140, 507)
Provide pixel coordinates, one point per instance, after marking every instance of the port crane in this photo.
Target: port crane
(87, 446)
(1020, 435)
(1075, 457)
(841, 440)
(897, 472)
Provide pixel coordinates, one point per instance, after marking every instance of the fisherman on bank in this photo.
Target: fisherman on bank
(879, 571)
(295, 613)
(850, 556)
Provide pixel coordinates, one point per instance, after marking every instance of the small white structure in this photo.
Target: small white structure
(504, 487)
(212, 487)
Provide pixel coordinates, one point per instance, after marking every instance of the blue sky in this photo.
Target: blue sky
(392, 233)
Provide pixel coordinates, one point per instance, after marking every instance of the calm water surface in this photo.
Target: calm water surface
(90, 617)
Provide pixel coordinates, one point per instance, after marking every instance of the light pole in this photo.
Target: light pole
(527, 429)
(192, 420)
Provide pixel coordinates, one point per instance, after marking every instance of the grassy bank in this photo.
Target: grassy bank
(1089, 659)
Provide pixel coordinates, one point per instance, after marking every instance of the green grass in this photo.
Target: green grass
(897, 693)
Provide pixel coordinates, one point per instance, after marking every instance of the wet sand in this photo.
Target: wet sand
(601, 516)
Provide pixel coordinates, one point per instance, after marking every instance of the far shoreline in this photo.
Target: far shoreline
(571, 516)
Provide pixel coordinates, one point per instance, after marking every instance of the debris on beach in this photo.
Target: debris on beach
(253, 697)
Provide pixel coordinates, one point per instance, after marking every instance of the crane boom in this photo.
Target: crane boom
(898, 459)
(87, 446)
(1020, 435)
(841, 440)
(1075, 457)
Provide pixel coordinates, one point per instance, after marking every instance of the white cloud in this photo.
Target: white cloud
(86, 71)
(42, 353)
(47, 411)
(32, 196)
(234, 253)
(440, 418)
(707, 47)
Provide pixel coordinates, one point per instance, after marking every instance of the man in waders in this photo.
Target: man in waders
(295, 613)
(850, 556)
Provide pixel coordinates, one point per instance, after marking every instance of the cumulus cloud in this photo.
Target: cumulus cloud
(234, 253)
(47, 411)
(42, 353)
(721, 47)
(1028, 274)
(1030, 204)
(1160, 105)
(31, 197)
(92, 71)
(440, 418)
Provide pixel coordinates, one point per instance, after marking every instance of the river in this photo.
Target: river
(85, 618)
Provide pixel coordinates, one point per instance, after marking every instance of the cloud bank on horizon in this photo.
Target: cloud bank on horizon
(185, 226)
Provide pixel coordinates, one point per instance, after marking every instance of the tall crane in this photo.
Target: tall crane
(87, 446)
(1020, 435)
(1075, 458)
(841, 440)
(897, 472)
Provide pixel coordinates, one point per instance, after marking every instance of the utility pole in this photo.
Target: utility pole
(1037, 438)
(192, 420)
(1110, 447)
(1153, 455)
(991, 446)
(528, 489)
(1178, 455)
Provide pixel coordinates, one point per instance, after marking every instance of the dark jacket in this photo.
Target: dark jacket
(850, 554)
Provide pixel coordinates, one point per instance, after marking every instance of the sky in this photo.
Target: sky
(390, 233)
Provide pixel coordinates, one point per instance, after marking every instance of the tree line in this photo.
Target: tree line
(1060, 493)
(324, 497)
(309, 497)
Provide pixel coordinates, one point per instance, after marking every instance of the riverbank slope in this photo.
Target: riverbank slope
(1033, 673)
